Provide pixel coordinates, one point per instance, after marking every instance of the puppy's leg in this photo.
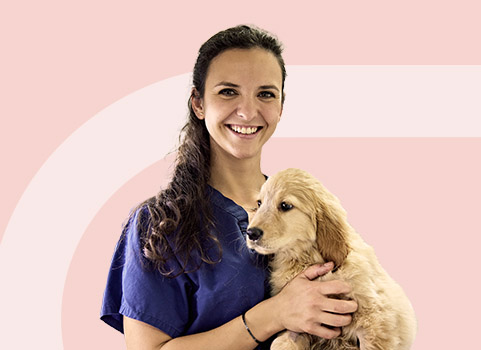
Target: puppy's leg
(291, 341)
(370, 340)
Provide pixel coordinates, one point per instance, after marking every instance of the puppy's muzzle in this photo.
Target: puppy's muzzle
(254, 233)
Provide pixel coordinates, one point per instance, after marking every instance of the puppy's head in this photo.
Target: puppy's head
(296, 214)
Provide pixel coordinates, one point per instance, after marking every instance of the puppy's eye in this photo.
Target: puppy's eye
(259, 203)
(285, 206)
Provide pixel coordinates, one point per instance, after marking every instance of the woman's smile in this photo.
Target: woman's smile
(244, 130)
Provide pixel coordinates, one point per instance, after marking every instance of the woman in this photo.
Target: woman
(181, 276)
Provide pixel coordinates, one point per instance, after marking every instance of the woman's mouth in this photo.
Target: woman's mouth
(244, 130)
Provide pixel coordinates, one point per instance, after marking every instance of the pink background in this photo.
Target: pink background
(415, 200)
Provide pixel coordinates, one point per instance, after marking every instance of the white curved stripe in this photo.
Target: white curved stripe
(66, 194)
(382, 101)
(136, 131)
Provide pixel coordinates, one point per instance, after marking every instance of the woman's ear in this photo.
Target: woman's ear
(197, 104)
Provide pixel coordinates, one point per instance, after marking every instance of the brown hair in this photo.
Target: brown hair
(181, 214)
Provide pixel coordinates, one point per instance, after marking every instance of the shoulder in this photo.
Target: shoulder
(135, 232)
(142, 214)
(138, 223)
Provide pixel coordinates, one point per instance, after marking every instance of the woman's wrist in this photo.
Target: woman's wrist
(248, 329)
(263, 321)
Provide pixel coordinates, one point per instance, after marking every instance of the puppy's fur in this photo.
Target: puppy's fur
(303, 224)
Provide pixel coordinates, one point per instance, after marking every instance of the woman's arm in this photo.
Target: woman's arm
(232, 335)
(302, 306)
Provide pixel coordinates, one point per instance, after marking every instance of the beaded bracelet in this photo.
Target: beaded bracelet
(247, 328)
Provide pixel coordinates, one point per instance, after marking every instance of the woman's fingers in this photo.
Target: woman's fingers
(307, 305)
(324, 332)
(334, 287)
(328, 325)
(338, 306)
(315, 271)
(335, 320)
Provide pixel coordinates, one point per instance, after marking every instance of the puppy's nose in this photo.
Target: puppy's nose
(254, 233)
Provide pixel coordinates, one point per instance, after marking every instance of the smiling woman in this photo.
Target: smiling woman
(182, 276)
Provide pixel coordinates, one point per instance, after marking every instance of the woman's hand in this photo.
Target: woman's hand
(303, 305)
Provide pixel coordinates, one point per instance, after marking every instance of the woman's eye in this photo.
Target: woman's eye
(259, 203)
(286, 206)
(267, 94)
(227, 92)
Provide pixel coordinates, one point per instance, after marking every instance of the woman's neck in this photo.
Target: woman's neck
(237, 179)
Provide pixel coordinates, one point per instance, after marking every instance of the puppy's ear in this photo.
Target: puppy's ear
(332, 230)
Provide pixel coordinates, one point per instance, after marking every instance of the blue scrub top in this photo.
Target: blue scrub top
(192, 302)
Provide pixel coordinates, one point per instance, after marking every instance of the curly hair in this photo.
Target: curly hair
(180, 221)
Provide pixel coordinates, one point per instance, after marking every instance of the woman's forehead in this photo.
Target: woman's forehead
(245, 66)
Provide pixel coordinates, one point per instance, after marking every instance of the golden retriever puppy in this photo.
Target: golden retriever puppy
(301, 223)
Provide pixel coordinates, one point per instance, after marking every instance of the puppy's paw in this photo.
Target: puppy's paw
(283, 344)
(290, 341)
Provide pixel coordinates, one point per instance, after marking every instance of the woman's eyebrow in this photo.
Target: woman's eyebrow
(226, 83)
(262, 87)
(269, 87)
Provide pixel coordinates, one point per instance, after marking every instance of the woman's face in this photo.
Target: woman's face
(242, 101)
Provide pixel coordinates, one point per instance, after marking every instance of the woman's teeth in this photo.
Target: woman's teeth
(244, 130)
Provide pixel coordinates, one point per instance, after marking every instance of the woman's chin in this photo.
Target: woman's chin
(237, 150)
(245, 155)
(242, 152)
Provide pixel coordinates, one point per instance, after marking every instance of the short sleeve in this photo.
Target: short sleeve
(136, 290)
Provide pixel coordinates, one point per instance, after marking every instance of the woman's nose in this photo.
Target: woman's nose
(247, 108)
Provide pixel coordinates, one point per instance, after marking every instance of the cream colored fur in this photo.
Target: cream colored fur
(315, 230)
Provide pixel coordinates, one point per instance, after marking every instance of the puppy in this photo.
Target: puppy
(301, 223)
